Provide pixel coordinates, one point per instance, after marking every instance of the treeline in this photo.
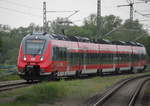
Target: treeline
(112, 28)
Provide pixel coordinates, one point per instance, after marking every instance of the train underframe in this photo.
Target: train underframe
(33, 73)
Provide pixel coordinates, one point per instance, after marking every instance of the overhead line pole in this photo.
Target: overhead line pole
(98, 20)
(131, 5)
(44, 17)
(131, 10)
(45, 22)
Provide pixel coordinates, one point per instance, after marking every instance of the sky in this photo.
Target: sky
(16, 13)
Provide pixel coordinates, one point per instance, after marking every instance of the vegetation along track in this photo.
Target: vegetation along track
(9, 85)
(124, 93)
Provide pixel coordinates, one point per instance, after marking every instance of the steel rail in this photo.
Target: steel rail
(134, 97)
(110, 92)
(13, 85)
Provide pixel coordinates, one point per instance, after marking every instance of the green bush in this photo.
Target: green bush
(45, 92)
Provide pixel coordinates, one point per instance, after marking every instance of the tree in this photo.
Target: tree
(128, 31)
(145, 40)
(112, 26)
(108, 23)
(88, 29)
(0, 43)
(59, 26)
(11, 41)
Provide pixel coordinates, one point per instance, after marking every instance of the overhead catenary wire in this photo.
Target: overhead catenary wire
(73, 14)
(119, 29)
(113, 30)
(60, 11)
(144, 15)
(21, 12)
(21, 5)
(146, 1)
(131, 4)
(140, 37)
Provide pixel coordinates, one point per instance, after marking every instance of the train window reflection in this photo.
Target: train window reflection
(34, 46)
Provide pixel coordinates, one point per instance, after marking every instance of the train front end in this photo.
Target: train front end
(34, 57)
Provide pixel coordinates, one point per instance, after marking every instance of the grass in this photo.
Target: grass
(8, 73)
(9, 77)
(43, 92)
(50, 92)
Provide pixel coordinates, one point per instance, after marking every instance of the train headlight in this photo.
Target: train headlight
(41, 58)
(24, 58)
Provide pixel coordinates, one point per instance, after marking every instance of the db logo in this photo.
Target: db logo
(32, 59)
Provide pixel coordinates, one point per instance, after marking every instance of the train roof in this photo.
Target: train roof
(82, 39)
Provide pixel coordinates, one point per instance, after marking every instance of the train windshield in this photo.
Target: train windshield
(34, 46)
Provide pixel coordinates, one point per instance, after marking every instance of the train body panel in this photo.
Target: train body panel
(124, 57)
(40, 56)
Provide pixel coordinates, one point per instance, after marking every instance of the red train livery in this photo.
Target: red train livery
(42, 56)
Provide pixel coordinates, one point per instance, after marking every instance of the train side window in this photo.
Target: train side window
(55, 53)
(59, 53)
(63, 52)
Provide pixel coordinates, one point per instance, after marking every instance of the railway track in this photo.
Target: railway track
(5, 86)
(124, 93)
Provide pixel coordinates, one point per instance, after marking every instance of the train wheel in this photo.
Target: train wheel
(145, 66)
(99, 72)
(53, 76)
(140, 70)
(29, 81)
(131, 70)
(32, 81)
(78, 74)
(116, 71)
(134, 70)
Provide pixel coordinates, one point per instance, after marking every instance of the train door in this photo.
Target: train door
(130, 59)
(73, 60)
(82, 60)
(81, 56)
(69, 60)
(117, 59)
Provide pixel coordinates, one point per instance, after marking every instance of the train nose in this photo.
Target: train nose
(33, 58)
(30, 58)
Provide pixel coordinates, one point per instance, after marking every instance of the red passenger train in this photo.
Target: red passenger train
(46, 56)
